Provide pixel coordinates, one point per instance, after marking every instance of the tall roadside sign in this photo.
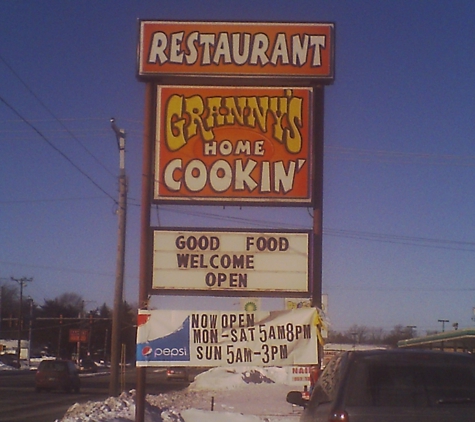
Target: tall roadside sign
(233, 116)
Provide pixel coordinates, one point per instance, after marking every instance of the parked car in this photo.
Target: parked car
(57, 375)
(87, 366)
(401, 385)
(179, 373)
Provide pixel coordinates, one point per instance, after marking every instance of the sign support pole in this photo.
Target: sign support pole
(317, 248)
(145, 273)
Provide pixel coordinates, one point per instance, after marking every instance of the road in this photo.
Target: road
(20, 403)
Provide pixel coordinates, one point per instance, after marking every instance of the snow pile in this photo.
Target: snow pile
(4, 367)
(220, 378)
(117, 409)
(245, 394)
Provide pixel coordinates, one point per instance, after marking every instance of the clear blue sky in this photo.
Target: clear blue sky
(399, 197)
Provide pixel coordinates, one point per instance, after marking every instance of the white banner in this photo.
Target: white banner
(217, 338)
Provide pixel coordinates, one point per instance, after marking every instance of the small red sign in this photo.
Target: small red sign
(78, 336)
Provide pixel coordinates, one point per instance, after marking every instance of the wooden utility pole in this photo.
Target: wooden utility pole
(119, 281)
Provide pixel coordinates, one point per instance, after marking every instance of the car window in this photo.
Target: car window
(414, 383)
(326, 386)
(51, 365)
(72, 367)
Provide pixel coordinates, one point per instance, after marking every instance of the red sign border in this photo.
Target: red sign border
(306, 201)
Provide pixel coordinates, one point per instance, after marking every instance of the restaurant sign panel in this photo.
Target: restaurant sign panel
(218, 338)
(289, 51)
(234, 144)
(237, 262)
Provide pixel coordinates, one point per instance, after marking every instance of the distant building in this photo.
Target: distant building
(10, 347)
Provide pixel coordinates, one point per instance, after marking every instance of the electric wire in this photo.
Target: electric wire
(33, 201)
(348, 234)
(54, 116)
(243, 220)
(387, 156)
(54, 147)
(403, 240)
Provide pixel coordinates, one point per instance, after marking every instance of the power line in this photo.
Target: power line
(403, 240)
(385, 156)
(56, 148)
(29, 201)
(348, 234)
(378, 288)
(214, 217)
(54, 116)
(51, 268)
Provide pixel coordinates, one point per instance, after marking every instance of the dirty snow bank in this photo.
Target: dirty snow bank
(245, 394)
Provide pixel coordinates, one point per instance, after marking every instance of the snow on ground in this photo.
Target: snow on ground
(4, 367)
(244, 394)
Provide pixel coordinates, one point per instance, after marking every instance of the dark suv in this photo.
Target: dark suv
(57, 375)
(393, 386)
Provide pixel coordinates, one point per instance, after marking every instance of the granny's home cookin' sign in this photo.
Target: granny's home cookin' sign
(242, 144)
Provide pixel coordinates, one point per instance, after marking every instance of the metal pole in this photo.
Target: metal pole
(1, 301)
(58, 354)
(105, 346)
(411, 329)
(30, 329)
(119, 281)
(317, 231)
(89, 337)
(145, 250)
(443, 321)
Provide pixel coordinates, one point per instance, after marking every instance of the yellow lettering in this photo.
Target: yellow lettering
(215, 118)
(195, 108)
(186, 117)
(258, 107)
(174, 136)
(292, 136)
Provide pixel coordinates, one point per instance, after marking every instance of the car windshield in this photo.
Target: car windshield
(414, 382)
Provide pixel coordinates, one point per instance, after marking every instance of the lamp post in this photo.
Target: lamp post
(411, 329)
(443, 321)
(30, 330)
